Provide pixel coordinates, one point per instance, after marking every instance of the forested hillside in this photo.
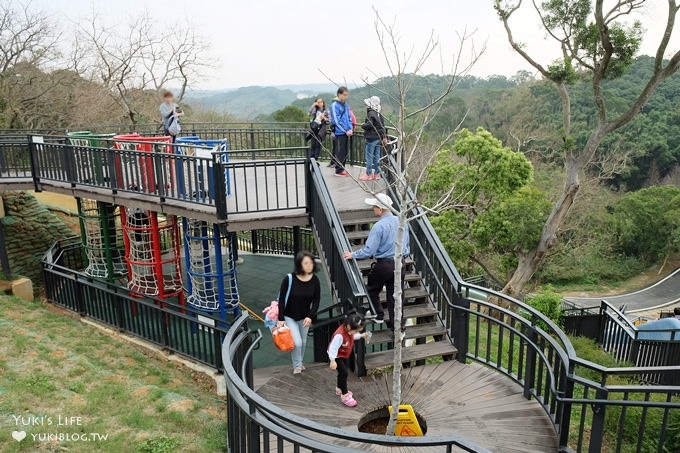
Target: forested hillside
(615, 229)
(520, 110)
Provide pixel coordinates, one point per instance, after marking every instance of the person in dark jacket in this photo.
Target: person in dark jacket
(318, 124)
(375, 136)
(298, 309)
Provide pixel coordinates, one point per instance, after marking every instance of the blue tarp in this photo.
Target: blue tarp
(666, 324)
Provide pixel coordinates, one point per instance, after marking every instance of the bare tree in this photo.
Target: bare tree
(28, 45)
(596, 42)
(139, 58)
(407, 169)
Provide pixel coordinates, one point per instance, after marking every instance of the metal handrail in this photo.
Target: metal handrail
(285, 418)
(342, 243)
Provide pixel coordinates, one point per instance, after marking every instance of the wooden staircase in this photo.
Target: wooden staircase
(426, 336)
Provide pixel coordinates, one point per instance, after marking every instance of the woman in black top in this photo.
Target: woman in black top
(299, 309)
(318, 123)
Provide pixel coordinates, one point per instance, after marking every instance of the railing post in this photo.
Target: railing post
(529, 374)
(80, 297)
(296, 240)
(113, 171)
(33, 154)
(634, 351)
(220, 188)
(567, 391)
(119, 309)
(459, 331)
(70, 162)
(603, 322)
(308, 182)
(254, 241)
(252, 136)
(160, 177)
(217, 342)
(597, 424)
(165, 331)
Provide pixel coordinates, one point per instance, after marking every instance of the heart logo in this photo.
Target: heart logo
(19, 435)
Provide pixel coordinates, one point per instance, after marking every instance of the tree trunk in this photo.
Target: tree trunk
(529, 262)
(396, 321)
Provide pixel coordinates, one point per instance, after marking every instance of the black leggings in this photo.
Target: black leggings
(343, 365)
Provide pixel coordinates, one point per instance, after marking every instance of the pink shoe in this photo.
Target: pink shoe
(376, 176)
(338, 392)
(348, 400)
(366, 178)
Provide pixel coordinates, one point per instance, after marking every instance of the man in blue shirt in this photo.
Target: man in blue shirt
(341, 123)
(380, 245)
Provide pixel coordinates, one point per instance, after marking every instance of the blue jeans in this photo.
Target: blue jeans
(373, 157)
(299, 333)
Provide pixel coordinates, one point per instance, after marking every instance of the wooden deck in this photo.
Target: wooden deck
(472, 401)
(252, 203)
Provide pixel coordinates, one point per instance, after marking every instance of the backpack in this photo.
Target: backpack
(173, 125)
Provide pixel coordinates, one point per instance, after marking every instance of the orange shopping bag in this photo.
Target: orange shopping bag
(283, 339)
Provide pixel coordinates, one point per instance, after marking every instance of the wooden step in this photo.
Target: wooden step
(365, 265)
(382, 359)
(359, 221)
(418, 311)
(430, 329)
(356, 235)
(415, 292)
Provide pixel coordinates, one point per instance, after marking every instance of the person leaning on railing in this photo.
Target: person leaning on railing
(298, 304)
(380, 245)
(375, 136)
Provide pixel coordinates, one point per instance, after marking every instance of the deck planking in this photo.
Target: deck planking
(256, 193)
(472, 401)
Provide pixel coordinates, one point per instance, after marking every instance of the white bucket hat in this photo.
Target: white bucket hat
(381, 200)
(373, 102)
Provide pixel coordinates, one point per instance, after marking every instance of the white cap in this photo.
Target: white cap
(381, 200)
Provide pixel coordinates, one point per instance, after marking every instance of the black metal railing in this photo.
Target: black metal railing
(257, 425)
(164, 323)
(586, 403)
(266, 185)
(347, 283)
(15, 161)
(277, 241)
(163, 172)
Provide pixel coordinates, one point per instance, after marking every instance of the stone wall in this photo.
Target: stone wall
(30, 229)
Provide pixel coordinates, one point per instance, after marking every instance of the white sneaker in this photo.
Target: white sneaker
(297, 370)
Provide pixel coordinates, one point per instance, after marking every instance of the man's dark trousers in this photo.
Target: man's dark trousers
(382, 275)
(341, 147)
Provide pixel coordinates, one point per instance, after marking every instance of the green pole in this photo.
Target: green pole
(83, 235)
(104, 228)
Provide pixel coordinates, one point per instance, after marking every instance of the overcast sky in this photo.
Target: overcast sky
(277, 42)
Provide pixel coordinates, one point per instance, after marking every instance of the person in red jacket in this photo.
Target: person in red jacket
(339, 350)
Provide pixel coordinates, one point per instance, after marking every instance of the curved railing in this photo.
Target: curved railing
(581, 398)
(249, 413)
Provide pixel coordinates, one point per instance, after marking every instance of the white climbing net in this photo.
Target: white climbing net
(101, 239)
(208, 250)
(151, 254)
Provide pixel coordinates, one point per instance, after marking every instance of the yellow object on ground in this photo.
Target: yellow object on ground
(252, 313)
(407, 422)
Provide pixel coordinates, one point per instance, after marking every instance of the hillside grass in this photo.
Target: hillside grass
(53, 365)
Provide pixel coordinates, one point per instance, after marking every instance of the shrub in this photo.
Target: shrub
(548, 302)
(158, 445)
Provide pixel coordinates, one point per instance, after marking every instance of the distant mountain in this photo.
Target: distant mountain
(254, 101)
(246, 102)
